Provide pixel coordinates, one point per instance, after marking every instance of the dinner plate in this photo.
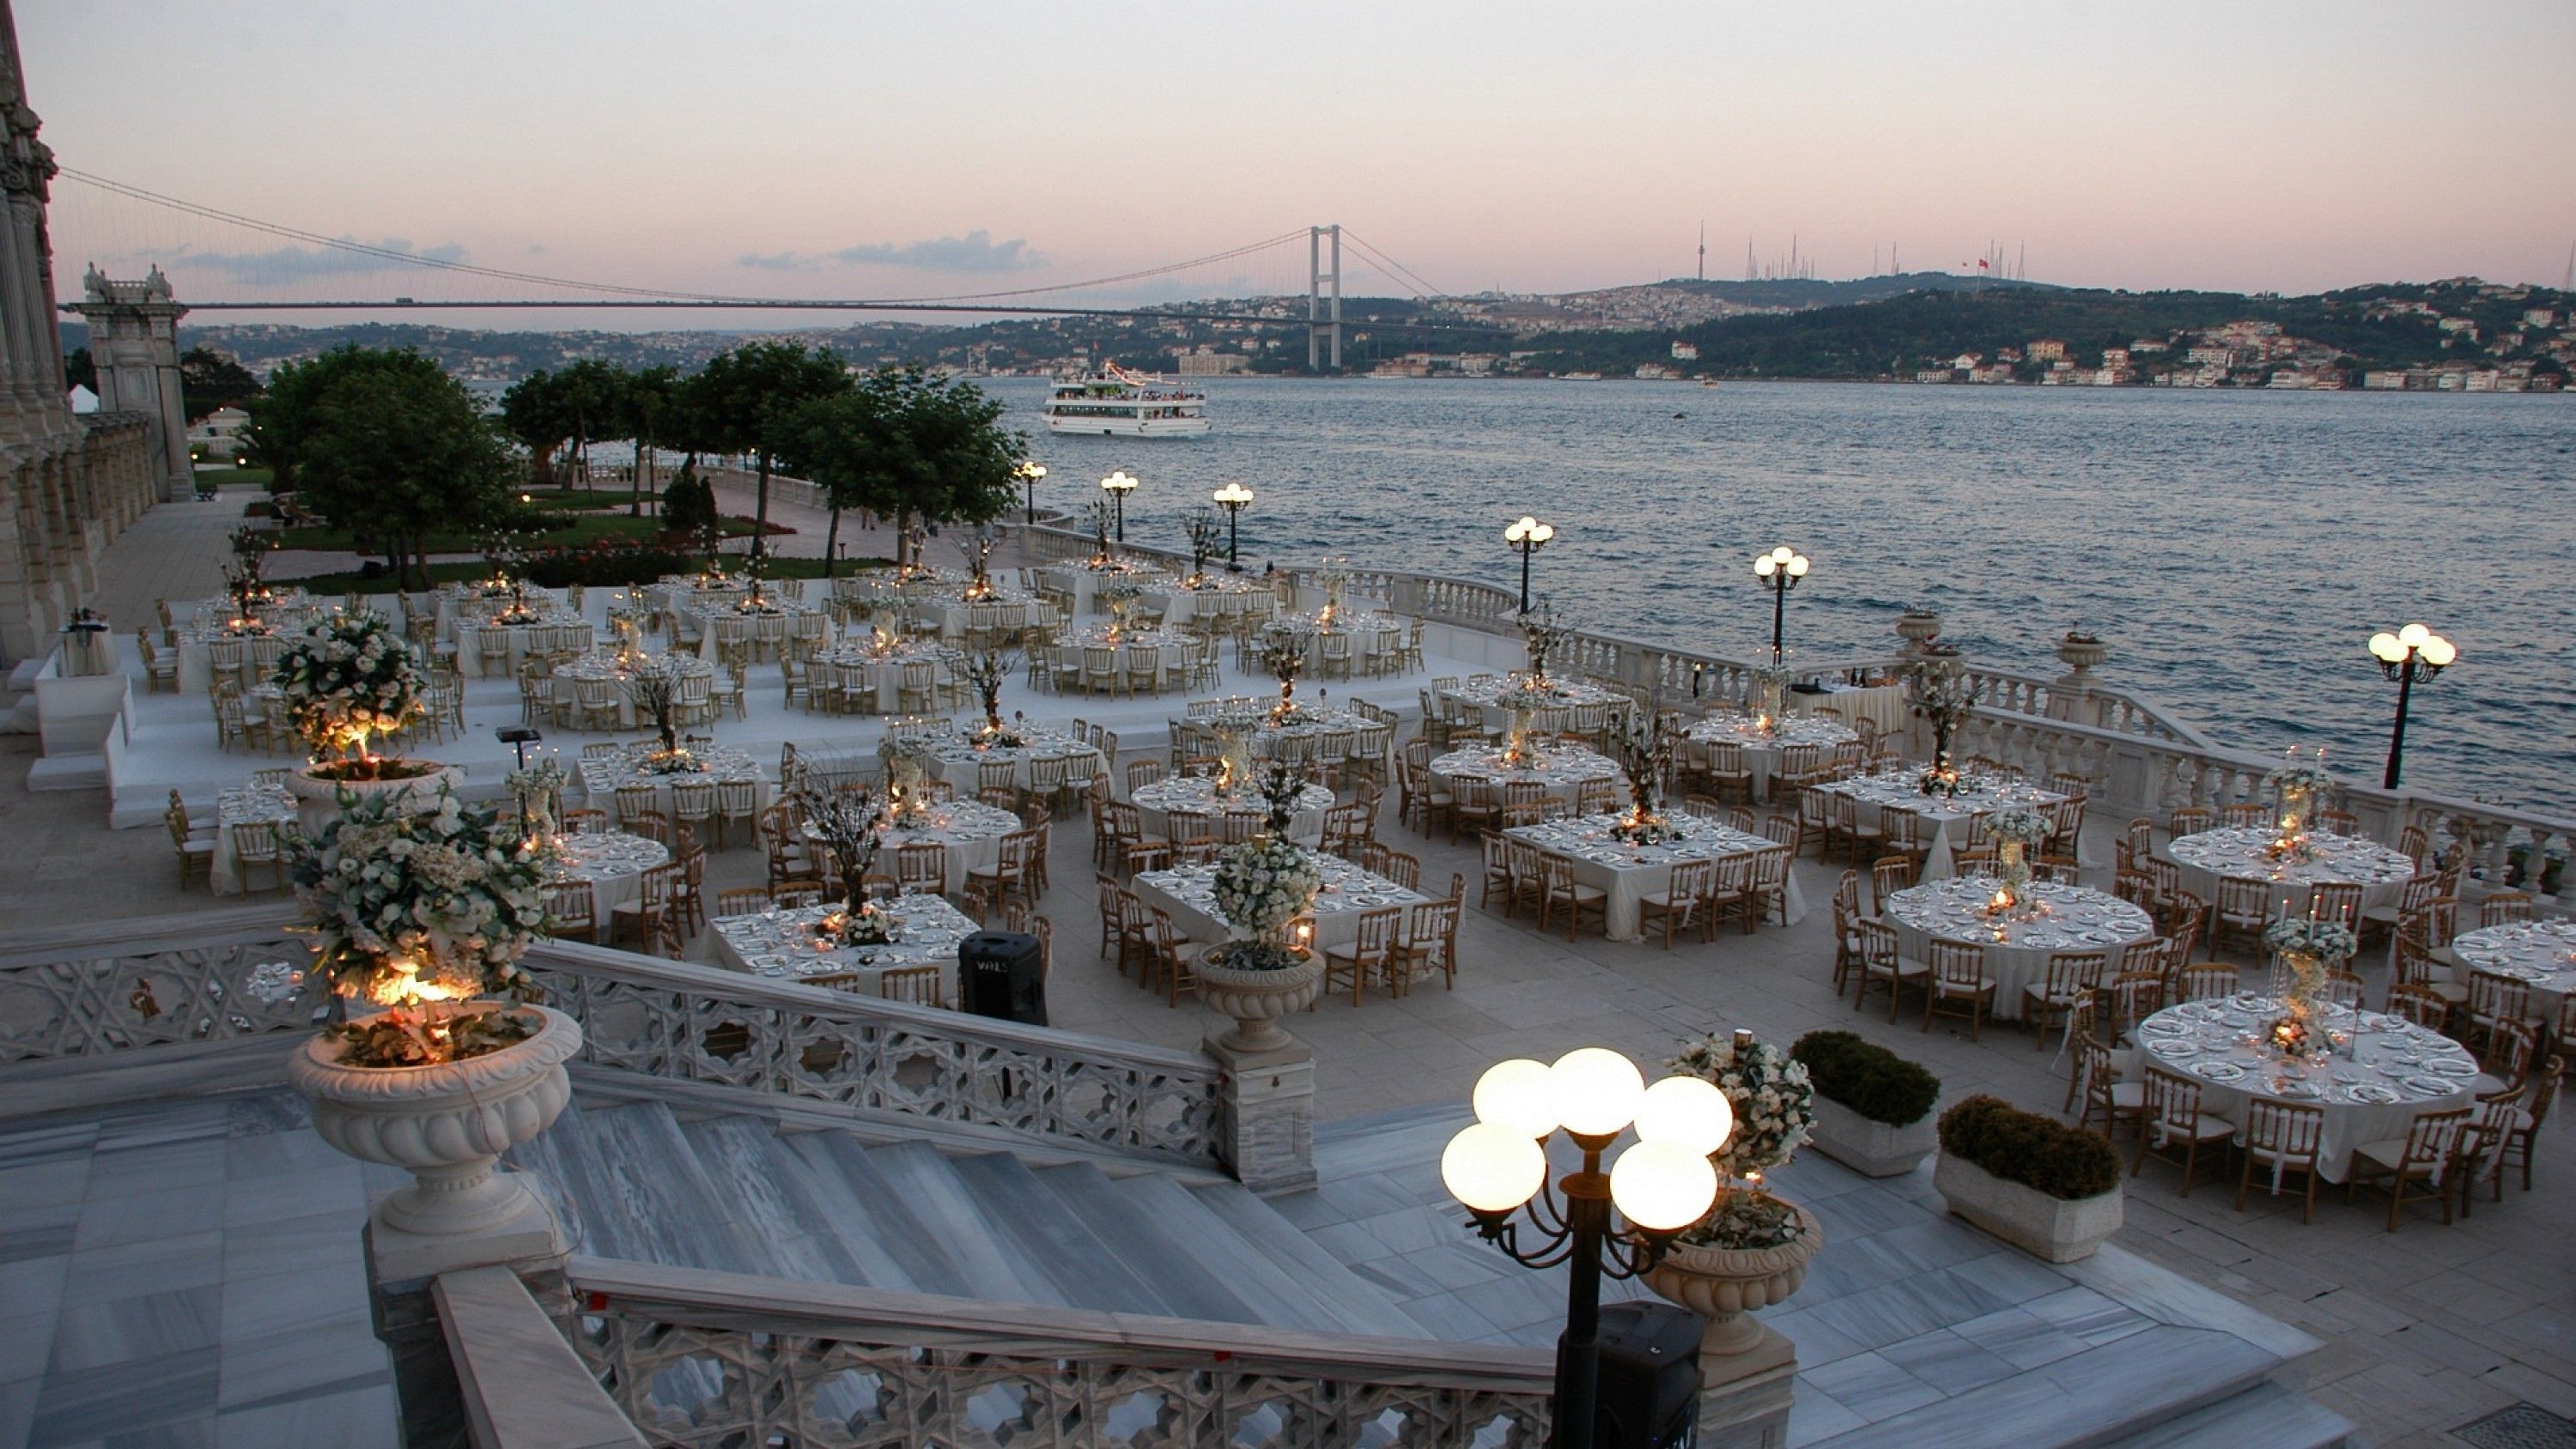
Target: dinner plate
(2451, 1067)
(2432, 1086)
(2219, 1071)
(2296, 1091)
(2372, 1092)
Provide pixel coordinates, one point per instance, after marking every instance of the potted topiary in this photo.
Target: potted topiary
(2081, 650)
(1752, 1249)
(419, 916)
(1262, 886)
(2051, 1190)
(345, 681)
(1873, 1107)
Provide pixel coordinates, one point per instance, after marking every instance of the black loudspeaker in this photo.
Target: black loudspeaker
(1002, 974)
(1649, 1386)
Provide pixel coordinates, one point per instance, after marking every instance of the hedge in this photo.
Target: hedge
(2028, 1148)
(1869, 1079)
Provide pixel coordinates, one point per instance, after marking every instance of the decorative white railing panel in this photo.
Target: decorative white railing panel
(674, 1021)
(712, 1359)
(93, 991)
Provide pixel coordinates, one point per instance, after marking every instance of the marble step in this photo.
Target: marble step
(1082, 1190)
(946, 1212)
(2129, 1386)
(2267, 1414)
(641, 1187)
(1208, 1243)
(774, 1201)
(1065, 1247)
(1361, 1305)
(875, 1223)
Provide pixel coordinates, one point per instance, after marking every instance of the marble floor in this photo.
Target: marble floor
(186, 1274)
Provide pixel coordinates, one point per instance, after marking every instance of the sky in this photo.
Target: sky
(906, 151)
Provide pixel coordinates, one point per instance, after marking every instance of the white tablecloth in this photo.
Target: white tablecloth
(1084, 583)
(1377, 640)
(870, 676)
(602, 775)
(1188, 895)
(2214, 1042)
(961, 765)
(599, 667)
(1171, 648)
(1762, 751)
(2540, 954)
(1881, 704)
(613, 863)
(1229, 597)
(2381, 872)
(1951, 819)
(970, 829)
(1155, 802)
(268, 804)
(548, 633)
(954, 615)
(1627, 874)
(778, 943)
(2017, 951)
(1556, 716)
(1562, 769)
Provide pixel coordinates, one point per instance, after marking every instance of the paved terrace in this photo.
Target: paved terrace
(2425, 1331)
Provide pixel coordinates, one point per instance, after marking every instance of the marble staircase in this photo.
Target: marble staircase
(1912, 1328)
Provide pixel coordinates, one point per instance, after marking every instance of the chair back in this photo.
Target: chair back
(2211, 982)
(2336, 900)
(1957, 963)
(1691, 880)
(922, 985)
(2072, 975)
(2287, 1132)
(2173, 1101)
(2504, 907)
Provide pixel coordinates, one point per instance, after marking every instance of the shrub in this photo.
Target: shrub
(2025, 1147)
(689, 506)
(1869, 1079)
(607, 563)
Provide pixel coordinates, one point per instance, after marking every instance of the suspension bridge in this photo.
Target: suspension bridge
(223, 261)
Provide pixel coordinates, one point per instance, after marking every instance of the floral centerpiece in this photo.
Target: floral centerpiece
(419, 912)
(1646, 754)
(653, 684)
(1119, 596)
(1333, 576)
(907, 758)
(1206, 536)
(1267, 882)
(1752, 1248)
(1101, 560)
(2303, 951)
(539, 791)
(1283, 653)
(346, 680)
(1234, 726)
(987, 672)
(1767, 695)
(245, 578)
(1941, 694)
(1542, 634)
(2298, 792)
(979, 559)
(850, 822)
(2016, 833)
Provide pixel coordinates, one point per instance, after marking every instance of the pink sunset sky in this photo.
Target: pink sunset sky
(850, 150)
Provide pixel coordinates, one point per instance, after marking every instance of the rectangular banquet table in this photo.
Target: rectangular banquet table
(777, 944)
(1187, 895)
(1627, 874)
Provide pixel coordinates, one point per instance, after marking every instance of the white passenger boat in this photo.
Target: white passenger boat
(1121, 404)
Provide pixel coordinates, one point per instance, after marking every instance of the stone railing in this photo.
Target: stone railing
(748, 1041)
(697, 1358)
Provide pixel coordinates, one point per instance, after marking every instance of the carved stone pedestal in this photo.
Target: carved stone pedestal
(1269, 1114)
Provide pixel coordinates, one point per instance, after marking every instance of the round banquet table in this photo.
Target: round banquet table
(2017, 951)
(1188, 896)
(874, 678)
(613, 863)
(970, 829)
(546, 634)
(601, 775)
(2397, 1070)
(1626, 874)
(1221, 596)
(1155, 802)
(779, 942)
(962, 765)
(1949, 818)
(1562, 769)
(2381, 872)
(2540, 954)
(1170, 646)
(1558, 714)
(1761, 750)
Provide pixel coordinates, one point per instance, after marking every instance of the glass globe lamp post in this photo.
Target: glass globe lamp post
(1031, 474)
(2411, 653)
(1529, 536)
(1233, 497)
(1118, 485)
(1660, 1184)
(1781, 569)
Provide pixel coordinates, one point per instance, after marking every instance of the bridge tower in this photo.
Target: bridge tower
(134, 340)
(1317, 326)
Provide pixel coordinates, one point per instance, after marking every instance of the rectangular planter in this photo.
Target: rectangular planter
(1869, 1147)
(2056, 1229)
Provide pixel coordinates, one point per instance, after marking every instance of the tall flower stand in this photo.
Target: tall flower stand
(1268, 1090)
(317, 801)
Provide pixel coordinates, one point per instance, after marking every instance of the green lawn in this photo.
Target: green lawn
(235, 477)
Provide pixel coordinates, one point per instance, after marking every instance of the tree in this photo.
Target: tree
(549, 411)
(740, 402)
(284, 417)
(79, 370)
(532, 410)
(210, 381)
(906, 445)
(649, 412)
(393, 454)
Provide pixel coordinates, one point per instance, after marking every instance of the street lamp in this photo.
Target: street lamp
(1118, 485)
(1030, 475)
(1529, 536)
(2411, 653)
(1661, 1184)
(1781, 568)
(1232, 497)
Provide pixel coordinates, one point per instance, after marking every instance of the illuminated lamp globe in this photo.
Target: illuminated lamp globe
(2384, 646)
(1688, 1112)
(1492, 1168)
(1763, 566)
(1519, 1094)
(1596, 1091)
(1662, 1186)
(2439, 652)
(2414, 636)
(1798, 567)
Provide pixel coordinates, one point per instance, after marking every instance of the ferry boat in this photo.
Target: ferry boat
(1121, 404)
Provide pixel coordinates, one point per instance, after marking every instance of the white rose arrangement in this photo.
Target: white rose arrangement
(1774, 1111)
(345, 679)
(2027, 827)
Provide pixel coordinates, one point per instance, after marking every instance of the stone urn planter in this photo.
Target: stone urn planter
(1723, 1285)
(2059, 1230)
(1257, 999)
(448, 1123)
(2081, 654)
(317, 801)
(1918, 627)
(1870, 1147)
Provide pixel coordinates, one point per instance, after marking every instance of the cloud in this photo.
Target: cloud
(976, 251)
(290, 264)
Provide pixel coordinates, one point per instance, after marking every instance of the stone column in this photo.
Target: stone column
(2070, 697)
(134, 341)
(1269, 1106)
